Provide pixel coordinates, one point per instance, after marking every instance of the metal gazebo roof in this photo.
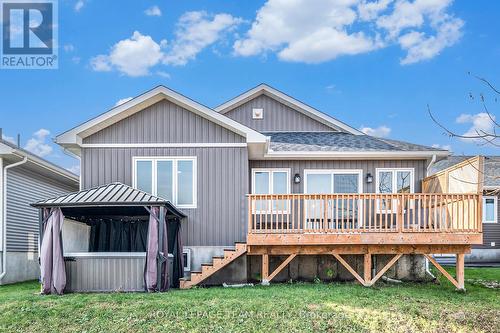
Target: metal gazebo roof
(109, 195)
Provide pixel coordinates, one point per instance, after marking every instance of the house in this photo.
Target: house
(24, 178)
(274, 189)
(489, 250)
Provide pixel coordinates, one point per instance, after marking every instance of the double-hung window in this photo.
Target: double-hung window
(171, 178)
(490, 205)
(394, 180)
(271, 181)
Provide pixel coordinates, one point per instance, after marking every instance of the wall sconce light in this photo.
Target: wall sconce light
(296, 178)
(369, 178)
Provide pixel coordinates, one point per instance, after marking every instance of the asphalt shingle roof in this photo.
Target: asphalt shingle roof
(491, 168)
(337, 142)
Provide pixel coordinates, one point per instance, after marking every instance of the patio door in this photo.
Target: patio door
(332, 214)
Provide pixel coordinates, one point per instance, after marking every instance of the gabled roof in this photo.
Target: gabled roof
(74, 136)
(264, 89)
(12, 153)
(337, 144)
(491, 168)
(109, 195)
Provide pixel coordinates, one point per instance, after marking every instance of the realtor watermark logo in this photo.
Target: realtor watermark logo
(29, 34)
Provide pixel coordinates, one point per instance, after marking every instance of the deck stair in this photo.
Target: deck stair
(218, 262)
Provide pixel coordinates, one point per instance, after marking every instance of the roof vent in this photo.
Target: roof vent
(257, 113)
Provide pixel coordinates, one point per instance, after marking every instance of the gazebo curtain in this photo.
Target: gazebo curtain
(53, 271)
(156, 267)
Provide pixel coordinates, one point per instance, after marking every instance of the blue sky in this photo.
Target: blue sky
(373, 65)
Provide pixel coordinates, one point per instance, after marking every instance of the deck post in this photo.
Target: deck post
(367, 268)
(265, 269)
(460, 271)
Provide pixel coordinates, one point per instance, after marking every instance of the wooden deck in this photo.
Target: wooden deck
(365, 224)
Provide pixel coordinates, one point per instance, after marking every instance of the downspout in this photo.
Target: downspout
(4, 214)
(427, 266)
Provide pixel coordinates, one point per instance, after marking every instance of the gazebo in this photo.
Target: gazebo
(121, 239)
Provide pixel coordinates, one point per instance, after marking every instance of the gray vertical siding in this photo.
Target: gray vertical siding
(366, 166)
(222, 182)
(277, 117)
(164, 122)
(222, 173)
(23, 188)
(491, 233)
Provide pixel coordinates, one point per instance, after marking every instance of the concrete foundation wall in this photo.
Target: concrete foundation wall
(327, 268)
(307, 268)
(478, 256)
(21, 266)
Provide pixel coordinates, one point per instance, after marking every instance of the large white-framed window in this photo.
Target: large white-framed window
(393, 180)
(329, 181)
(271, 181)
(490, 209)
(172, 178)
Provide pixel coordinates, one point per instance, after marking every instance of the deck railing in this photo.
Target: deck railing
(364, 213)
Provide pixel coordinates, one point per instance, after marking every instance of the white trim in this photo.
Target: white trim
(495, 209)
(271, 171)
(187, 264)
(287, 100)
(332, 172)
(166, 145)
(394, 183)
(174, 159)
(385, 155)
(74, 136)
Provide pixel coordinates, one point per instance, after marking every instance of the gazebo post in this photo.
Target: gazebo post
(160, 248)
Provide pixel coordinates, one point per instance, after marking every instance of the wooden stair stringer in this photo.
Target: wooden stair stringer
(217, 264)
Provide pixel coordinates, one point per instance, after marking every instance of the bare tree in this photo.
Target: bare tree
(482, 137)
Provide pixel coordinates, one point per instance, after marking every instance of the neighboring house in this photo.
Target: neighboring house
(276, 177)
(24, 178)
(489, 250)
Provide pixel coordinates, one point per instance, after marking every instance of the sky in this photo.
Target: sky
(375, 65)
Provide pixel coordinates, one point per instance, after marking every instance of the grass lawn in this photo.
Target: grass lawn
(298, 307)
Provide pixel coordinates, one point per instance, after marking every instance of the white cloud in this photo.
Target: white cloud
(438, 146)
(38, 145)
(8, 138)
(74, 169)
(419, 47)
(314, 31)
(133, 56)
(481, 124)
(123, 100)
(69, 47)
(381, 131)
(195, 31)
(79, 5)
(163, 74)
(153, 11)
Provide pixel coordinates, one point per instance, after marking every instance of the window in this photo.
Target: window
(271, 181)
(396, 180)
(490, 205)
(186, 253)
(172, 178)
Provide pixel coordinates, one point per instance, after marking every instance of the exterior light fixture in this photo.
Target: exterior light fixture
(296, 178)
(369, 178)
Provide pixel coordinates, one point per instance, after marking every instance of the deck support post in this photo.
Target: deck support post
(460, 271)
(265, 269)
(280, 267)
(385, 269)
(367, 268)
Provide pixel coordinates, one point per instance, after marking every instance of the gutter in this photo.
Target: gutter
(427, 266)
(4, 214)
